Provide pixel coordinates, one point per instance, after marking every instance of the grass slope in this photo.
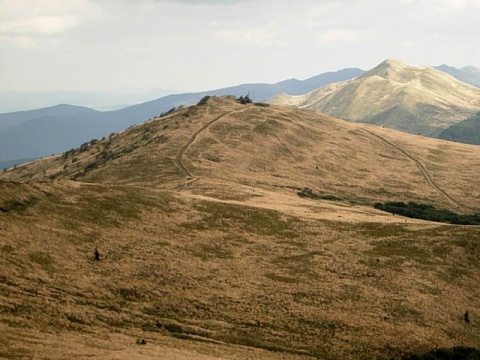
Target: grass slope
(208, 252)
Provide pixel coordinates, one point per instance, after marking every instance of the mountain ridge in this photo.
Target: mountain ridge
(95, 124)
(428, 100)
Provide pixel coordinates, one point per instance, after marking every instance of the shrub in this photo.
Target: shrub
(308, 193)
(16, 205)
(204, 100)
(84, 147)
(68, 153)
(168, 112)
(90, 166)
(174, 328)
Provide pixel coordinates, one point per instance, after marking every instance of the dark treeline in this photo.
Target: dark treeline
(455, 353)
(427, 212)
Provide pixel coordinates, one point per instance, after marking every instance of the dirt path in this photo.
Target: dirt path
(179, 157)
(422, 169)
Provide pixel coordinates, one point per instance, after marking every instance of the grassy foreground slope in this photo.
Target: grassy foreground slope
(221, 259)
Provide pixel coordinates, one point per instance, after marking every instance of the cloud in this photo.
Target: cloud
(24, 22)
(210, 2)
(441, 7)
(258, 37)
(42, 25)
(342, 35)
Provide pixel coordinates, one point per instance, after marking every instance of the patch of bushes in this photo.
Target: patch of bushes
(17, 205)
(427, 212)
(308, 193)
(262, 104)
(173, 328)
(84, 147)
(90, 166)
(455, 353)
(69, 153)
(168, 112)
(204, 100)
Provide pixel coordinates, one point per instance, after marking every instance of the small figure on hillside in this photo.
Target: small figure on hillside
(141, 342)
(466, 318)
(96, 254)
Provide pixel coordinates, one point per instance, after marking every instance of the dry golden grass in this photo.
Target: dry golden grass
(208, 252)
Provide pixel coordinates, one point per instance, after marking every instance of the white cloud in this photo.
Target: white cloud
(209, 2)
(41, 25)
(256, 37)
(342, 35)
(95, 44)
(24, 22)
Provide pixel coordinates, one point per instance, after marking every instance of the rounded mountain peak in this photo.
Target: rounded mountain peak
(391, 69)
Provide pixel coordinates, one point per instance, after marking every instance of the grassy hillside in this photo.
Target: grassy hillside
(207, 251)
(413, 99)
(468, 74)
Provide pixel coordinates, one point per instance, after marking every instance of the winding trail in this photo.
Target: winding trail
(422, 169)
(179, 157)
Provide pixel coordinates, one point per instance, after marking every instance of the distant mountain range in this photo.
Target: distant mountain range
(38, 133)
(418, 100)
(12, 101)
(467, 74)
(413, 99)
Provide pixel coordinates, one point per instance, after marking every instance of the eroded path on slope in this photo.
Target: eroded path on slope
(179, 157)
(422, 169)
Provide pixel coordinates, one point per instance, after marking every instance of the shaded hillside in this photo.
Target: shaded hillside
(38, 133)
(412, 99)
(467, 74)
(467, 131)
(299, 87)
(207, 251)
(13, 119)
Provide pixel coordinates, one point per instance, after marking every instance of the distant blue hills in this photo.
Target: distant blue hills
(34, 134)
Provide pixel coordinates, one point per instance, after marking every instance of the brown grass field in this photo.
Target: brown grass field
(207, 251)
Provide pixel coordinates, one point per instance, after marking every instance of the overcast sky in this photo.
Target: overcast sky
(124, 46)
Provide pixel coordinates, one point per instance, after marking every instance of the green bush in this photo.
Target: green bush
(174, 328)
(90, 166)
(308, 193)
(17, 205)
(168, 112)
(204, 100)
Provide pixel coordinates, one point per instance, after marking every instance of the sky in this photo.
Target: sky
(127, 46)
